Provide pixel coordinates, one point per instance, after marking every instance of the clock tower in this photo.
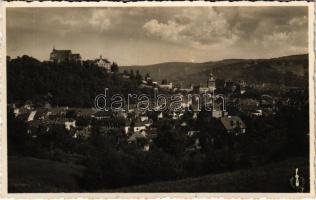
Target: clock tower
(211, 82)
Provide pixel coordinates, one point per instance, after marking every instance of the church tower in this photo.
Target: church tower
(211, 82)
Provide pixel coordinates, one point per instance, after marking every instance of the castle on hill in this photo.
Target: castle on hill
(60, 56)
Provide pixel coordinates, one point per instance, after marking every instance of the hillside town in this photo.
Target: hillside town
(139, 128)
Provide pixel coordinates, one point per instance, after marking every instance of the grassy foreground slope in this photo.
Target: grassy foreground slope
(35, 175)
(269, 178)
(26, 174)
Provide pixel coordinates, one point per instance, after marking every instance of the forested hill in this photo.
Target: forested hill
(61, 84)
(78, 85)
(288, 70)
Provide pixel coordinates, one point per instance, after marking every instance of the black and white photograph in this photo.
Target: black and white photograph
(159, 99)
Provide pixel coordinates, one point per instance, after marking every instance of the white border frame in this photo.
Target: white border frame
(3, 102)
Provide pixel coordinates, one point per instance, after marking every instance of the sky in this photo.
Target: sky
(140, 36)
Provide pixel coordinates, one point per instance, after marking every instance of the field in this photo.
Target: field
(35, 175)
(28, 174)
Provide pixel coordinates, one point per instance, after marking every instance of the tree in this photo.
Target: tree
(169, 139)
(69, 84)
(131, 73)
(18, 139)
(148, 79)
(114, 67)
(70, 114)
(138, 77)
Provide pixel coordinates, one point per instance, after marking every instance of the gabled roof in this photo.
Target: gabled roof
(183, 124)
(139, 123)
(63, 120)
(40, 112)
(84, 111)
(61, 51)
(34, 123)
(23, 116)
(103, 113)
(232, 122)
(102, 59)
(136, 136)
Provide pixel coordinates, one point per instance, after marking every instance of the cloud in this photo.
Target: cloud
(100, 20)
(170, 31)
(191, 25)
(232, 26)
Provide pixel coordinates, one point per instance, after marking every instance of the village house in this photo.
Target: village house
(30, 115)
(145, 85)
(83, 132)
(195, 146)
(103, 63)
(100, 115)
(84, 112)
(139, 140)
(109, 125)
(127, 126)
(249, 106)
(186, 103)
(187, 90)
(257, 113)
(177, 114)
(233, 125)
(126, 76)
(166, 86)
(57, 111)
(134, 137)
(21, 110)
(193, 133)
(267, 101)
(139, 126)
(160, 115)
(67, 123)
(70, 123)
(218, 111)
(145, 119)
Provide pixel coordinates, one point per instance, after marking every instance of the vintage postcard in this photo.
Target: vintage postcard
(157, 99)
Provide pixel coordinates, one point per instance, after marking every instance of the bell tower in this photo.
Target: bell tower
(211, 82)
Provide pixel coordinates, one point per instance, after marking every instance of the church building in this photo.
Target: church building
(210, 85)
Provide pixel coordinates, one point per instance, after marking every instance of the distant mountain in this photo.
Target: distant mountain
(170, 70)
(274, 70)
